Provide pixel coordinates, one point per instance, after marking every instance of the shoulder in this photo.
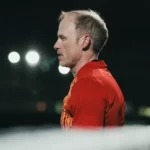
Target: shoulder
(88, 84)
(87, 91)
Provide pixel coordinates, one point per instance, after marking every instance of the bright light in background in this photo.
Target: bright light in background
(144, 111)
(58, 107)
(32, 57)
(13, 57)
(63, 70)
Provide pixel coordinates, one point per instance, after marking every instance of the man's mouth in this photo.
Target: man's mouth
(59, 56)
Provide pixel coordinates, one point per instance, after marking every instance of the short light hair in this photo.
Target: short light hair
(91, 22)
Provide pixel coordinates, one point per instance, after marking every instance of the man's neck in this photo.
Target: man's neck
(81, 63)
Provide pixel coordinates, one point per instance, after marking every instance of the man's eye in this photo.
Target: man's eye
(62, 38)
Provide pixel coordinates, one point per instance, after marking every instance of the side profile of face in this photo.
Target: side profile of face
(69, 50)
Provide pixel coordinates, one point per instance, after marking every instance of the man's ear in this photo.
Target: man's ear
(86, 42)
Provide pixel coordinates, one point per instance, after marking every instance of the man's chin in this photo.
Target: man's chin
(63, 64)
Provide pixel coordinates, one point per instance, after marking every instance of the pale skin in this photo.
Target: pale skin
(71, 51)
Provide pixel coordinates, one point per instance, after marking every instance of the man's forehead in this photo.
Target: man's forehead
(66, 25)
(67, 21)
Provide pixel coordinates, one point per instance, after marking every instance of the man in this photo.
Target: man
(94, 98)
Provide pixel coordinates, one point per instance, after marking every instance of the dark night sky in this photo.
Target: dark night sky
(34, 25)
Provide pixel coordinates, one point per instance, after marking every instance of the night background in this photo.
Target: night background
(32, 95)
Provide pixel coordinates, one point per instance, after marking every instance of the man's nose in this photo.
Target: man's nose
(56, 45)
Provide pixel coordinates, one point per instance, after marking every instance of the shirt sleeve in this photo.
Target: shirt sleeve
(88, 103)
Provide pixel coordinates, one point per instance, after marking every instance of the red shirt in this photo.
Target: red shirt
(94, 99)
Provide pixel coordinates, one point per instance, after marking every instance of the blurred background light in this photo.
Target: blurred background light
(41, 106)
(32, 57)
(63, 70)
(58, 107)
(144, 111)
(14, 57)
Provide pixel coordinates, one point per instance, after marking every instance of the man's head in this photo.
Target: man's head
(79, 33)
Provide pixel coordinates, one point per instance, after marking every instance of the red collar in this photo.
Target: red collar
(87, 68)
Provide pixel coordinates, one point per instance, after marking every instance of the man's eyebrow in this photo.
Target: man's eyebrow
(60, 35)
